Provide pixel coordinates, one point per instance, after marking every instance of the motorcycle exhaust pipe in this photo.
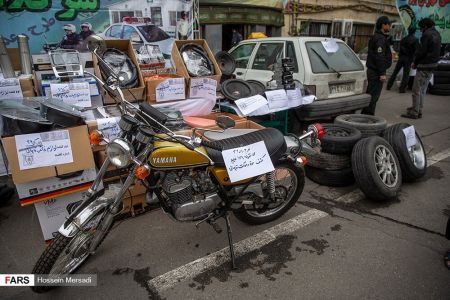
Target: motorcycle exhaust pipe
(25, 56)
(5, 61)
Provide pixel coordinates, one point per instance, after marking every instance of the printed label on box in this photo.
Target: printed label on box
(203, 88)
(10, 89)
(170, 89)
(78, 94)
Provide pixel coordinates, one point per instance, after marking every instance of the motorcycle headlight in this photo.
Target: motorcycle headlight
(120, 152)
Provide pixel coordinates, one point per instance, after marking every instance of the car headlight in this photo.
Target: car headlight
(120, 152)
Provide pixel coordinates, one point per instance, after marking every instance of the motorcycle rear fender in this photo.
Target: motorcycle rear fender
(84, 216)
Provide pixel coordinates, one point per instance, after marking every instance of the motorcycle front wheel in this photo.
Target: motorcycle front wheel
(66, 254)
(289, 182)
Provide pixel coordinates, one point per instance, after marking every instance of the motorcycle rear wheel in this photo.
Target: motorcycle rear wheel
(289, 179)
(66, 254)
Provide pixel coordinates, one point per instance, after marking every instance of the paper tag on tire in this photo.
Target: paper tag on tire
(410, 135)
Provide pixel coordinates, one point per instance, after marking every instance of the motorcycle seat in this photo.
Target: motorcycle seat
(273, 138)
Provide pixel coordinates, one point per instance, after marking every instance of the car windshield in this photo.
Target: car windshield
(343, 60)
(152, 33)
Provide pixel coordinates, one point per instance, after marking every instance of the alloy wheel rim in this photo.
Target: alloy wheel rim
(386, 166)
(417, 155)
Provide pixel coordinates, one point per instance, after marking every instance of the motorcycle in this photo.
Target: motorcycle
(187, 176)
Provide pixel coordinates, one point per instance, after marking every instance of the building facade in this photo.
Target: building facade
(350, 20)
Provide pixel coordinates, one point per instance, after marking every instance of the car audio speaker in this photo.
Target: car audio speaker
(258, 87)
(226, 62)
(234, 89)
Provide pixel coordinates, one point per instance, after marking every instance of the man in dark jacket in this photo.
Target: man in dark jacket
(408, 46)
(425, 60)
(379, 59)
(71, 39)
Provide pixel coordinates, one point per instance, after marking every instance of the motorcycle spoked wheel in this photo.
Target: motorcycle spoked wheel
(66, 254)
(289, 183)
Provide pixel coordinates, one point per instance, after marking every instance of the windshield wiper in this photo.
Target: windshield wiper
(325, 63)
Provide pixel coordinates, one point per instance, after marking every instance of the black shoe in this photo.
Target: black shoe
(410, 116)
(402, 91)
(388, 88)
(420, 115)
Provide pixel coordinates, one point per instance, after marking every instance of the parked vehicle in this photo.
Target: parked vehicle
(186, 174)
(141, 32)
(338, 80)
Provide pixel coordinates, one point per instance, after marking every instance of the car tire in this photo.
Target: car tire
(439, 92)
(414, 165)
(326, 161)
(442, 74)
(334, 178)
(368, 125)
(367, 156)
(441, 80)
(339, 138)
(328, 108)
(443, 67)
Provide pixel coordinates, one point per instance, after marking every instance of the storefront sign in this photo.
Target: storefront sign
(43, 149)
(412, 11)
(78, 94)
(247, 162)
(10, 89)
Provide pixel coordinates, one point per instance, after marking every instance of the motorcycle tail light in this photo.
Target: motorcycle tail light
(95, 137)
(302, 159)
(142, 172)
(320, 132)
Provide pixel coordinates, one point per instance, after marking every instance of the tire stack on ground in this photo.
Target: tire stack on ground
(331, 164)
(378, 159)
(441, 80)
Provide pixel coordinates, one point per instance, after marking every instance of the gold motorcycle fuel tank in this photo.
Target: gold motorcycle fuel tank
(172, 155)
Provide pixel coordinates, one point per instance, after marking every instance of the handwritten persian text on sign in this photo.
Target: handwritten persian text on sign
(170, 89)
(78, 94)
(109, 127)
(410, 135)
(10, 89)
(294, 97)
(277, 99)
(248, 161)
(250, 104)
(44, 149)
(203, 88)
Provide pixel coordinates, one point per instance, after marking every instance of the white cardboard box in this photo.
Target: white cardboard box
(53, 212)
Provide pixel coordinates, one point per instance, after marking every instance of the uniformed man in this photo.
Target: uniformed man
(86, 30)
(71, 39)
(379, 59)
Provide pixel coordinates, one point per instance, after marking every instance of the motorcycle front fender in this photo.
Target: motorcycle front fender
(83, 217)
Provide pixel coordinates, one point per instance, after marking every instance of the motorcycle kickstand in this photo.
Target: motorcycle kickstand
(230, 240)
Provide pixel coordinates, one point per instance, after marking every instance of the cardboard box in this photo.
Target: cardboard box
(53, 187)
(181, 68)
(53, 212)
(134, 94)
(152, 85)
(82, 158)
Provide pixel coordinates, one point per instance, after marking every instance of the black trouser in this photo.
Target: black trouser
(374, 87)
(405, 63)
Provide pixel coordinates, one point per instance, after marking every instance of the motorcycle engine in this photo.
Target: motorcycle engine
(191, 195)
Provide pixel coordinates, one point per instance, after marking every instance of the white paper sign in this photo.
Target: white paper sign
(277, 99)
(294, 97)
(43, 149)
(330, 46)
(250, 104)
(410, 135)
(10, 89)
(203, 88)
(78, 94)
(109, 127)
(248, 161)
(308, 99)
(170, 89)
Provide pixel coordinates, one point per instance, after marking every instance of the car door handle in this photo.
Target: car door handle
(239, 73)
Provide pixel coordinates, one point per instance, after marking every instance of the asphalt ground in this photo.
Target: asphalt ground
(334, 244)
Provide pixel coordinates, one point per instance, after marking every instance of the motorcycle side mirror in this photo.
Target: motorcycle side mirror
(225, 122)
(96, 44)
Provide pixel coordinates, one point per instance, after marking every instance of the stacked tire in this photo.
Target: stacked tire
(366, 124)
(441, 80)
(330, 164)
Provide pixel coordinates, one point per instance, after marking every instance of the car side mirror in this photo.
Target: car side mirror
(225, 122)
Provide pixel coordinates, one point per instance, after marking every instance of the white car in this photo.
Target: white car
(338, 79)
(141, 32)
